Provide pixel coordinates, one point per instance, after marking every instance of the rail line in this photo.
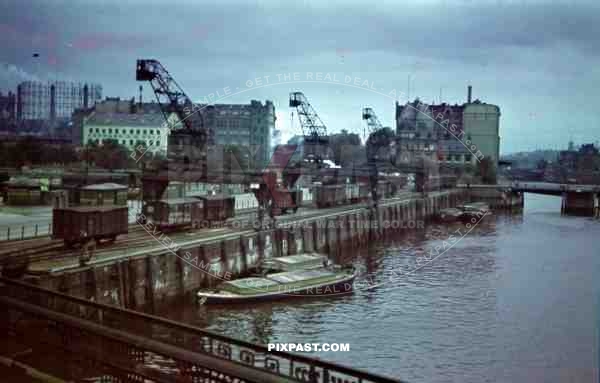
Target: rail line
(24, 253)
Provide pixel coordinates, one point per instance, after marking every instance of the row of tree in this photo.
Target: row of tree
(30, 151)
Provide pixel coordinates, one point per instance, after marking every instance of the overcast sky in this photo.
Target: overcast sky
(538, 61)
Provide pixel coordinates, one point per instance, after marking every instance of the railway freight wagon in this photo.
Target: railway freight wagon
(385, 189)
(286, 200)
(329, 195)
(218, 207)
(178, 213)
(245, 201)
(341, 194)
(101, 213)
(364, 192)
(307, 196)
(170, 214)
(75, 225)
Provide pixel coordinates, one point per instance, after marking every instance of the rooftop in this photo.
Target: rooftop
(126, 119)
(105, 186)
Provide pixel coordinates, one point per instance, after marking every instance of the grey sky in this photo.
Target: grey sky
(537, 61)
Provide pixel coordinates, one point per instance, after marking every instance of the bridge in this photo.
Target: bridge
(123, 345)
(576, 199)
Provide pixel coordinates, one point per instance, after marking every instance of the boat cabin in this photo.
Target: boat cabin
(296, 262)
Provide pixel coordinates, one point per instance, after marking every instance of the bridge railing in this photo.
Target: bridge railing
(286, 365)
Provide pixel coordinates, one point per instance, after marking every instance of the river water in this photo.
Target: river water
(514, 300)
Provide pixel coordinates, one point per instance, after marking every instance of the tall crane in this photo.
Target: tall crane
(377, 144)
(315, 133)
(189, 137)
(373, 123)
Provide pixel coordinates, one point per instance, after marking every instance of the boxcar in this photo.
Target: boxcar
(82, 223)
(330, 195)
(99, 212)
(385, 189)
(218, 207)
(364, 192)
(285, 199)
(173, 213)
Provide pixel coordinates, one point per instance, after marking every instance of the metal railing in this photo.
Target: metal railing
(287, 366)
(21, 232)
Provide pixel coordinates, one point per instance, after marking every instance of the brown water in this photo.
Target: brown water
(515, 300)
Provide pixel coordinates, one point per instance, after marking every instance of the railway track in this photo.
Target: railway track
(32, 251)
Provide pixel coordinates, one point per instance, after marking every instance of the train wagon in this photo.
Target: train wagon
(364, 192)
(330, 195)
(286, 200)
(385, 189)
(174, 213)
(98, 212)
(218, 207)
(83, 223)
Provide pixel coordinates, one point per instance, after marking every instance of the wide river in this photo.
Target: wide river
(514, 300)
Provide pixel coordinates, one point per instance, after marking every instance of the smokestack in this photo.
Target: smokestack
(469, 92)
(53, 102)
(141, 95)
(86, 96)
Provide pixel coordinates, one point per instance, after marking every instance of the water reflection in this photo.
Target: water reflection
(511, 301)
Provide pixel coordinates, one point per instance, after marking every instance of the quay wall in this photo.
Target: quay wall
(149, 281)
(497, 199)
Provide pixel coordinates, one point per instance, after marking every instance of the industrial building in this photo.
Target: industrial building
(245, 125)
(415, 133)
(453, 134)
(54, 100)
(129, 122)
(8, 107)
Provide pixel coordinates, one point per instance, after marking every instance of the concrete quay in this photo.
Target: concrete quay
(165, 266)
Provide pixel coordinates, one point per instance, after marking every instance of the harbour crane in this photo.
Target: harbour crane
(189, 138)
(373, 123)
(314, 130)
(378, 142)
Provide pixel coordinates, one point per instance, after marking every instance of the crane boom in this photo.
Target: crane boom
(171, 97)
(372, 120)
(377, 144)
(313, 129)
(189, 138)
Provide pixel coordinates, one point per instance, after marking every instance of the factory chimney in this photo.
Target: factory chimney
(53, 102)
(469, 92)
(86, 96)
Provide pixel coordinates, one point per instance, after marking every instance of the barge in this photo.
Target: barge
(305, 276)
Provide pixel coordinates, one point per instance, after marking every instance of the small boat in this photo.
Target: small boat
(311, 281)
(475, 210)
(450, 215)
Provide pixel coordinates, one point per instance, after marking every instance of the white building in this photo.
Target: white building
(129, 131)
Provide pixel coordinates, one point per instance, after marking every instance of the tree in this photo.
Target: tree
(110, 155)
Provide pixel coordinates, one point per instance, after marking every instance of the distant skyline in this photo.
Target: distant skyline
(538, 61)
